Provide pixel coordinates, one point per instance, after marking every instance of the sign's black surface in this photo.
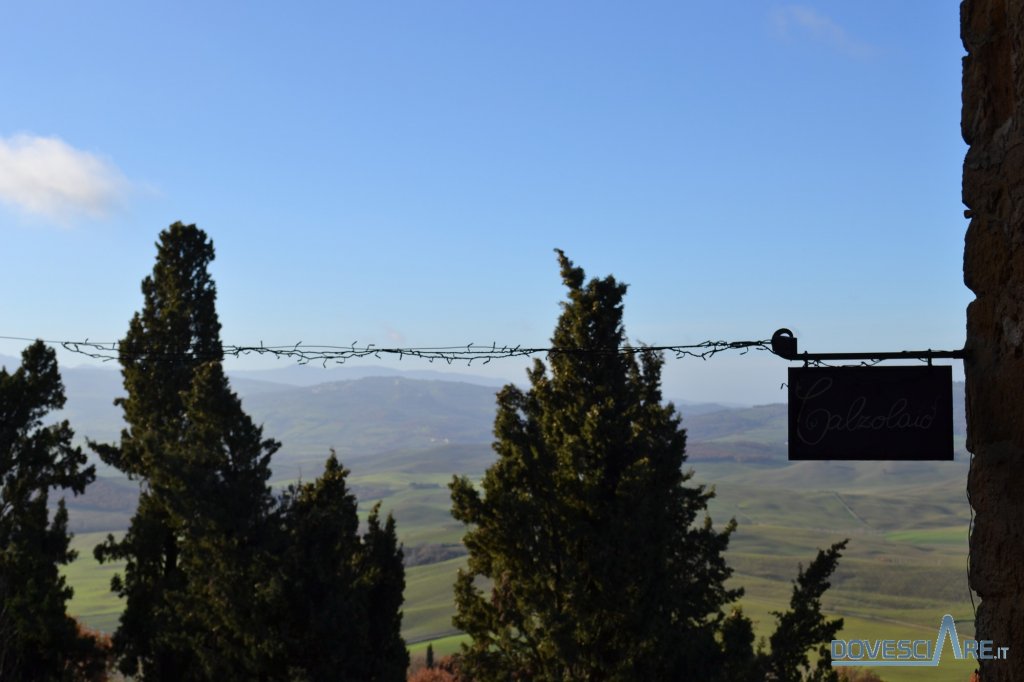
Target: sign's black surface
(880, 413)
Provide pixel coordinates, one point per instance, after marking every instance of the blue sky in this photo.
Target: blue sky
(398, 173)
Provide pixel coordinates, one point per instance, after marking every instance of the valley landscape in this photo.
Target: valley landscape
(404, 435)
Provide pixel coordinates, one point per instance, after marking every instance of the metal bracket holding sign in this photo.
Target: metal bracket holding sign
(785, 346)
(865, 412)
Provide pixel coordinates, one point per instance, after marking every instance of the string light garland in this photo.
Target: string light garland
(470, 353)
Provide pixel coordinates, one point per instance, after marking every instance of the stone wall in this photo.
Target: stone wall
(993, 191)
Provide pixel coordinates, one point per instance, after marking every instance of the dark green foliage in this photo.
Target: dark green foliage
(222, 500)
(191, 573)
(430, 656)
(38, 641)
(739, 660)
(804, 626)
(339, 595)
(223, 582)
(383, 575)
(603, 561)
(798, 631)
(318, 609)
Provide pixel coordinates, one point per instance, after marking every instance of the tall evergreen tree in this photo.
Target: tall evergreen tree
(798, 631)
(202, 466)
(383, 579)
(339, 596)
(221, 496)
(222, 581)
(38, 641)
(317, 604)
(603, 562)
(804, 626)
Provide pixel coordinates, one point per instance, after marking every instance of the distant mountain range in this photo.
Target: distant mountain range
(361, 410)
(374, 411)
(310, 375)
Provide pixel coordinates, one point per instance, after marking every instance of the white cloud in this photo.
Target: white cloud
(811, 22)
(47, 177)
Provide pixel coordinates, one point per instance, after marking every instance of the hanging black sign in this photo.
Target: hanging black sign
(871, 413)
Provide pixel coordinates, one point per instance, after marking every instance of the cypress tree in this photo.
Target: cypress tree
(223, 581)
(804, 626)
(383, 576)
(602, 560)
(798, 631)
(339, 595)
(38, 640)
(221, 496)
(202, 467)
(317, 605)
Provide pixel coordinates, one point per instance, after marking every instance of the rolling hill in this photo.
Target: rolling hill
(403, 438)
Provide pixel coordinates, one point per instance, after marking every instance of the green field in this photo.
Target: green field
(93, 602)
(905, 566)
